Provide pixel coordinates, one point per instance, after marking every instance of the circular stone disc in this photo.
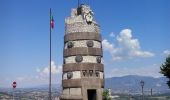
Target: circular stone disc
(90, 43)
(79, 58)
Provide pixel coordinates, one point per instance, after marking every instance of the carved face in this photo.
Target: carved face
(89, 17)
(87, 14)
(70, 44)
(69, 75)
(98, 59)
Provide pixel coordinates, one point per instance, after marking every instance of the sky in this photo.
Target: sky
(135, 38)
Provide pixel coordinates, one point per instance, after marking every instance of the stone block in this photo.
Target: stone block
(101, 75)
(66, 91)
(75, 91)
(76, 74)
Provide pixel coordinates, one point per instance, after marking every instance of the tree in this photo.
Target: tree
(165, 69)
(106, 95)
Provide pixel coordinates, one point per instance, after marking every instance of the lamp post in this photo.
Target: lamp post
(142, 85)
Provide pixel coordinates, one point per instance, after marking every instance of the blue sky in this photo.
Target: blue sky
(135, 38)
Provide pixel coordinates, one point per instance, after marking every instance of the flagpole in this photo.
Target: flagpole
(78, 3)
(50, 61)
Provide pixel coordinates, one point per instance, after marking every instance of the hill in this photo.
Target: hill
(131, 84)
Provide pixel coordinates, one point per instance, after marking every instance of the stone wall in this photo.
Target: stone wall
(83, 43)
(72, 91)
(80, 74)
(86, 59)
(81, 27)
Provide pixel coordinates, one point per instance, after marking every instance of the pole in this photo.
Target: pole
(151, 91)
(50, 62)
(78, 3)
(142, 92)
(13, 94)
(142, 85)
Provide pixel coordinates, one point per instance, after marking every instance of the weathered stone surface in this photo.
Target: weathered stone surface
(97, 73)
(83, 66)
(90, 43)
(66, 91)
(83, 43)
(83, 51)
(82, 36)
(79, 74)
(75, 75)
(92, 82)
(72, 83)
(64, 76)
(70, 44)
(86, 59)
(78, 58)
(98, 59)
(69, 75)
(86, 82)
(75, 91)
(101, 75)
(71, 97)
(81, 27)
(72, 91)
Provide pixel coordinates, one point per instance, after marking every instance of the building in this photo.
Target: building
(83, 77)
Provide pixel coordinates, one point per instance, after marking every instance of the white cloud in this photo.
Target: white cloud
(38, 70)
(20, 78)
(41, 77)
(54, 69)
(108, 46)
(127, 47)
(151, 70)
(166, 52)
(112, 34)
(43, 74)
(112, 50)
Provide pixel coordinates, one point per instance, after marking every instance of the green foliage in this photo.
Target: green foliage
(165, 69)
(106, 95)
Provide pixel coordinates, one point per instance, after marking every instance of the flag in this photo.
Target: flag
(51, 22)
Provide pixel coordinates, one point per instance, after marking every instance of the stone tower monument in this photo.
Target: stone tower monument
(83, 77)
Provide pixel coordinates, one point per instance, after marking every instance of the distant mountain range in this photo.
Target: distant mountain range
(131, 84)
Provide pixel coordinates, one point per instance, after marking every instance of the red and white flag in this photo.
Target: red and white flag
(51, 22)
